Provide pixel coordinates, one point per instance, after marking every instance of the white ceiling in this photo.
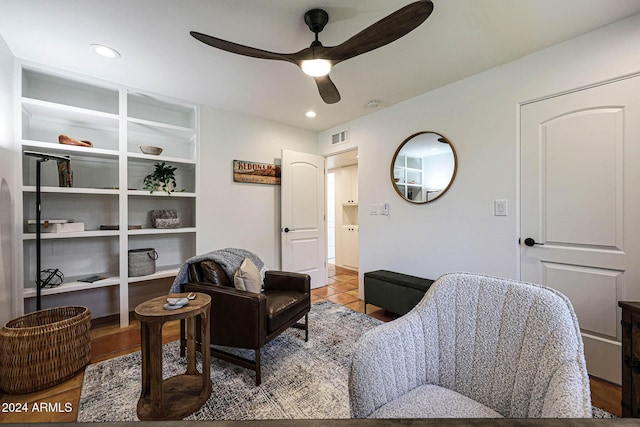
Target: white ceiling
(460, 38)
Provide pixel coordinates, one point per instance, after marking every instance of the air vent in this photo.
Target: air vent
(340, 137)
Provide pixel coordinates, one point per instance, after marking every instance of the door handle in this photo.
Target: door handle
(530, 242)
(287, 229)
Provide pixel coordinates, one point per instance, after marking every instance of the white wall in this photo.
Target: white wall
(479, 115)
(7, 236)
(232, 214)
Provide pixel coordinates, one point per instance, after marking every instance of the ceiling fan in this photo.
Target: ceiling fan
(317, 60)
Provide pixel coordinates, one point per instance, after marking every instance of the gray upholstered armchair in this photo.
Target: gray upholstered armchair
(475, 346)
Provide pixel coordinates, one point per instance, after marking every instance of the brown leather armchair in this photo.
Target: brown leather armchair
(245, 319)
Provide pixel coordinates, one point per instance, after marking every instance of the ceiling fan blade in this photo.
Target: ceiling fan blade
(240, 49)
(328, 90)
(383, 32)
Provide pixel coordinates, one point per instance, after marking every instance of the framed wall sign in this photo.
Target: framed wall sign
(257, 173)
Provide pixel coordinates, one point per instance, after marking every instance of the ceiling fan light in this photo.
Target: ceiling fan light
(316, 67)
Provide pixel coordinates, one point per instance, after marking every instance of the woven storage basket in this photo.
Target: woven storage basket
(44, 348)
(142, 262)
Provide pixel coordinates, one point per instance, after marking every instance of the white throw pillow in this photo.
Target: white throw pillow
(247, 277)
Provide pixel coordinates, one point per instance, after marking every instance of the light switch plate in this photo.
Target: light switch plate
(379, 208)
(500, 207)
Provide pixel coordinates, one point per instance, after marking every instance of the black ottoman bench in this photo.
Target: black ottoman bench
(395, 292)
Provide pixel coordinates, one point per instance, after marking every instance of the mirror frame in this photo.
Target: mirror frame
(395, 156)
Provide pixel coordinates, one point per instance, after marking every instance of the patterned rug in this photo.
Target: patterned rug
(299, 380)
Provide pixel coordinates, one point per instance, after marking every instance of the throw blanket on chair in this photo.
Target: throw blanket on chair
(229, 259)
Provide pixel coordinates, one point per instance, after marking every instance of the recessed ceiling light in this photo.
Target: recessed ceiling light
(310, 114)
(105, 51)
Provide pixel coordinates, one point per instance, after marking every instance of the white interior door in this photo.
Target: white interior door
(581, 204)
(302, 227)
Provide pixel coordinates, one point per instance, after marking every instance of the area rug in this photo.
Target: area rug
(300, 380)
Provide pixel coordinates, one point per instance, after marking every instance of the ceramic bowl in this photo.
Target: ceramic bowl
(149, 149)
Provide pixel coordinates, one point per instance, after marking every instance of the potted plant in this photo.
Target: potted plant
(163, 178)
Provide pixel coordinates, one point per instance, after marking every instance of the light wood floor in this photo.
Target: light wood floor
(112, 341)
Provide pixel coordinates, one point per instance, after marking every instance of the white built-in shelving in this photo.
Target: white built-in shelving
(346, 214)
(107, 181)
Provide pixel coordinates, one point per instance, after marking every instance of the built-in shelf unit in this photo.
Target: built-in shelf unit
(107, 185)
(346, 214)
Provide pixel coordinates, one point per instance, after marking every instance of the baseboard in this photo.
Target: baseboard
(111, 320)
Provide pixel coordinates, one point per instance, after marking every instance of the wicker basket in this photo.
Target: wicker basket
(142, 262)
(44, 348)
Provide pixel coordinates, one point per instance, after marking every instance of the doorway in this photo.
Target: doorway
(342, 209)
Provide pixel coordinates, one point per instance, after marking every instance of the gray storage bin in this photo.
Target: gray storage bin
(142, 262)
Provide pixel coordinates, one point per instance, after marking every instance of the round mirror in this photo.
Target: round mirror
(423, 167)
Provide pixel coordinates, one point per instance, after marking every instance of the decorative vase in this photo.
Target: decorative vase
(167, 187)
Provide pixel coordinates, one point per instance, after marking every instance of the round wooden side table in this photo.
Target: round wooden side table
(178, 396)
